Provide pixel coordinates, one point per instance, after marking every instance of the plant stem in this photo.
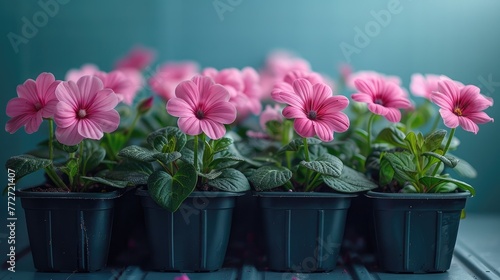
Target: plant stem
(51, 139)
(196, 152)
(452, 132)
(436, 123)
(49, 170)
(369, 132)
(287, 126)
(308, 174)
(78, 170)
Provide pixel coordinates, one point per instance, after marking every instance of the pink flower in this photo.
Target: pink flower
(366, 75)
(277, 65)
(345, 71)
(36, 100)
(202, 106)
(290, 77)
(85, 110)
(170, 75)
(86, 70)
(315, 110)
(138, 58)
(182, 277)
(383, 97)
(461, 105)
(124, 86)
(243, 87)
(424, 86)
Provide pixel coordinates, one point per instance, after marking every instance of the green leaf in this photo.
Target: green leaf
(447, 160)
(167, 158)
(434, 140)
(138, 153)
(221, 144)
(92, 156)
(297, 143)
(392, 135)
(135, 172)
(386, 172)
(402, 163)
(463, 168)
(326, 164)
(70, 168)
(269, 177)
(412, 142)
(211, 175)
(26, 164)
(167, 139)
(225, 162)
(350, 181)
(432, 182)
(169, 192)
(114, 142)
(230, 180)
(108, 182)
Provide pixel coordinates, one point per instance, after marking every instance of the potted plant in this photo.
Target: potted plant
(418, 205)
(69, 216)
(191, 183)
(304, 191)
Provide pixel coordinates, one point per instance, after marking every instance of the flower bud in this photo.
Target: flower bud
(145, 105)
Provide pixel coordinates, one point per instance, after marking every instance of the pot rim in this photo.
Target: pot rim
(303, 194)
(425, 196)
(25, 193)
(145, 192)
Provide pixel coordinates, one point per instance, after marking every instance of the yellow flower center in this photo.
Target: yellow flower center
(458, 111)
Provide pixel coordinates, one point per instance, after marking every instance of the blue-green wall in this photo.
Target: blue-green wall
(457, 38)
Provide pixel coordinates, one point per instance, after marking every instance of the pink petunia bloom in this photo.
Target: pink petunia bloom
(461, 106)
(182, 277)
(366, 75)
(315, 109)
(169, 75)
(383, 97)
(243, 87)
(36, 100)
(138, 58)
(86, 70)
(202, 106)
(290, 77)
(424, 86)
(277, 65)
(121, 84)
(85, 110)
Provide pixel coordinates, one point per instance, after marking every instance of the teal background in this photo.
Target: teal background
(456, 38)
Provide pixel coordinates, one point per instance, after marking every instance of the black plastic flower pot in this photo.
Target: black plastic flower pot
(416, 233)
(69, 232)
(303, 231)
(192, 239)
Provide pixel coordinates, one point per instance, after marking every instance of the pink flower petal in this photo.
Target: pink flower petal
(179, 108)
(19, 106)
(362, 97)
(44, 82)
(450, 89)
(108, 121)
(393, 115)
(479, 117)
(449, 118)
(468, 125)
(304, 127)
(339, 122)
(89, 86)
(215, 94)
(303, 89)
(212, 129)
(19, 121)
(65, 115)
(89, 129)
(321, 93)
(104, 100)
(324, 131)
(221, 112)
(68, 136)
(28, 91)
(69, 93)
(188, 91)
(291, 112)
(190, 125)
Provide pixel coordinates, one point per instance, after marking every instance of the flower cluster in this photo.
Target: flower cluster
(307, 137)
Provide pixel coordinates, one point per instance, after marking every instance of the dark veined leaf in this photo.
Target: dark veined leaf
(434, 140)
(221, 144)
(167, 139)
(167, 158)
(169, 192)
(225, 162)
(326, 164)
(135, 172)
(230, 180)
(434, 182)
(138, 153)
(386, 172)
(26, 164)
(92, 156)
(350, 181)
(211, 175)
(401, 162)
(447, 159)
(393, 136)
(269, 177)
(298, 143)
